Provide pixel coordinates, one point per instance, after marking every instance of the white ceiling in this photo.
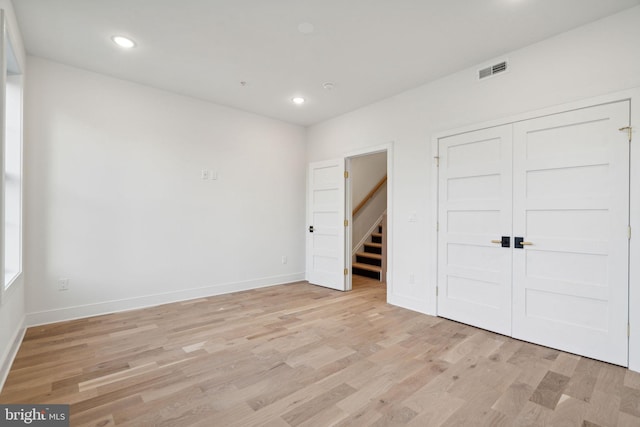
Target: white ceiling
(370, 49)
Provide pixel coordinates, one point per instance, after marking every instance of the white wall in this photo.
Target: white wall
(592, 60)
(366, 172)
(115, 201)
(12, 306)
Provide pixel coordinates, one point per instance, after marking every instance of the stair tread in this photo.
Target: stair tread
(369, 267)
(375, 245)
(369, 255)
(376, 234)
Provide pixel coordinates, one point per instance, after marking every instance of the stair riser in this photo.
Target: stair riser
(376, 239)
(372, 249)
(366, 273)
(370, 261)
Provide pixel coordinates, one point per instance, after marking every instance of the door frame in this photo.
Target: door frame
(388, 148)
(634, 200)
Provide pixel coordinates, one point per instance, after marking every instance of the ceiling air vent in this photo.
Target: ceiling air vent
(492, 70)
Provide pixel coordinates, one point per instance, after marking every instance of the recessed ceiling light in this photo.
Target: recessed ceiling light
(298, 100)
(124, 42)
(328, 85)
(306, 28)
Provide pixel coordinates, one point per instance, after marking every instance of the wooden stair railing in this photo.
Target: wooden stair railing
(370, 195)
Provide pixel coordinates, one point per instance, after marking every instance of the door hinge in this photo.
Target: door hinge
(437, 226)
(346, 271)
(629, 232)
(628, 330)
(346, 174)
(437, 158)
(629, 130)
(436, 291)
(346, 222)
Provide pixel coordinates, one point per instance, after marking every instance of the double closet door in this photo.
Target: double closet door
(533, 235)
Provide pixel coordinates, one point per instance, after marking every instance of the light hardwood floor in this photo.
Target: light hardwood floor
(303, 355)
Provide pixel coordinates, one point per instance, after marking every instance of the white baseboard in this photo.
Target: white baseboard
(78, 312)
(10, 353)
(409, 303)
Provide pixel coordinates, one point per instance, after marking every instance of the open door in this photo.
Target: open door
(326, 224)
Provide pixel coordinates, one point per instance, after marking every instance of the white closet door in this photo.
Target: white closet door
(571, 201)
(474, 274)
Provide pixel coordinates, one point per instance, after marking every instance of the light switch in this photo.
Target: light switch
(204, 174)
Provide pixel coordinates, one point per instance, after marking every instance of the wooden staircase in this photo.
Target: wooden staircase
(369, 262)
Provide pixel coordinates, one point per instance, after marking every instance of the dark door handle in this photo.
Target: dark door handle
(505, 241)
(517, 242)
(311, 229)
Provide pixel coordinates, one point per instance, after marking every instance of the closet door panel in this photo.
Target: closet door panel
(474, 274)
(571, 202)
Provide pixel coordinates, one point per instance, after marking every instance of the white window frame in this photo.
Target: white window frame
(11, 137)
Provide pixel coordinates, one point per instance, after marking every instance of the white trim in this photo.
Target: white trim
(632, 94)
(368, 234)
(432, 303)
(388, 147)
(634, 243)
(348, 235)
(6, 360)
(12, 38)
(9, 290)
(3, 85)
(390, 224)
(370, 150)
(410, 303)
(89, 310)
(559, 108)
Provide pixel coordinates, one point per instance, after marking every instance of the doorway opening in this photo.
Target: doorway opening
(366, 210)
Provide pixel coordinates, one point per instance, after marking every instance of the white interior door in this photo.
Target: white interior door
(326, 233)
(571, 201)
(475, 210)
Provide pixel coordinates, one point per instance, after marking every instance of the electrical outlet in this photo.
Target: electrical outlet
(412, 279)
(204, 174)
(63, 284)
(284, 259)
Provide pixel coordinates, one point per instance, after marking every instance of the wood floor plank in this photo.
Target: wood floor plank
(568, 412)
(514, 399)
(630, 403)
(302, 355)
(632, 379)
(550, 390)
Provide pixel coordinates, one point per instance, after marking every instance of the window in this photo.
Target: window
(12, 183)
